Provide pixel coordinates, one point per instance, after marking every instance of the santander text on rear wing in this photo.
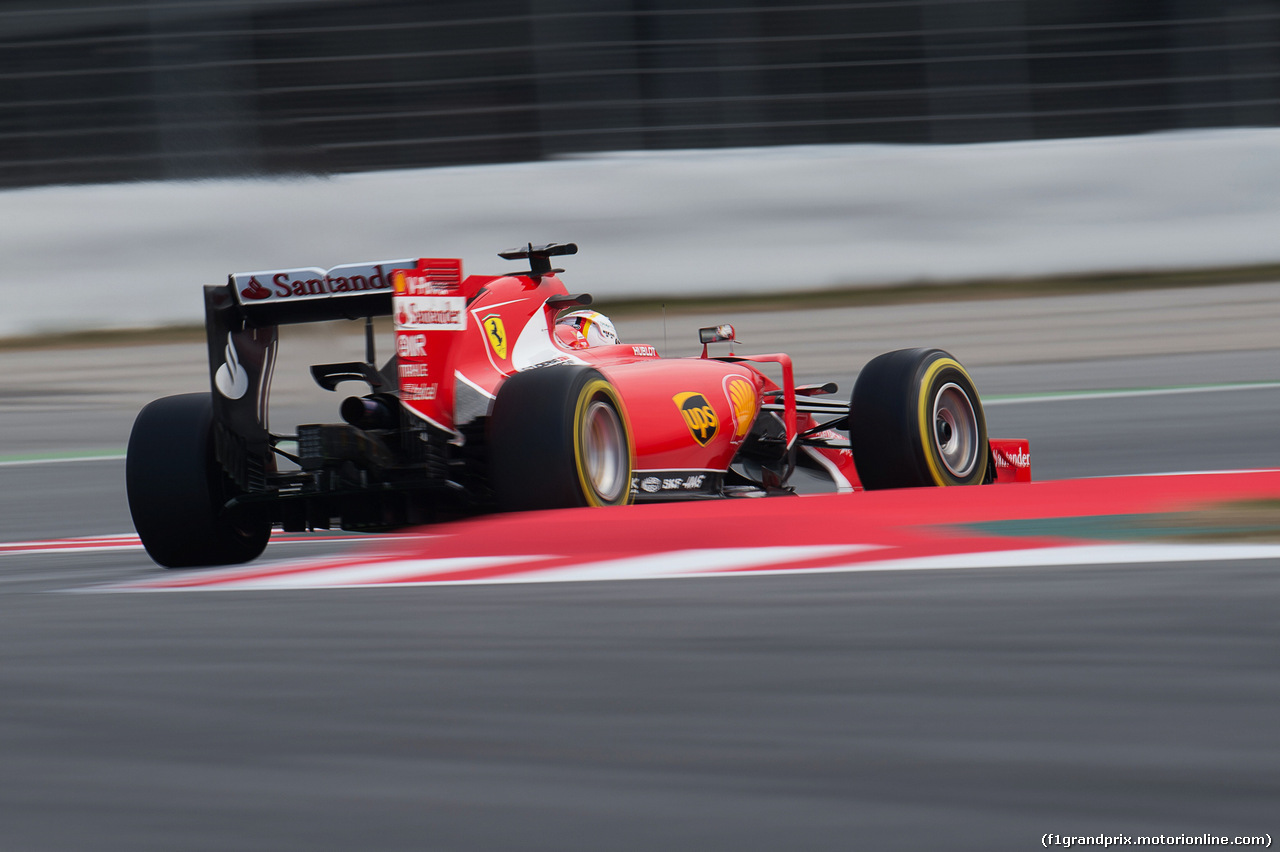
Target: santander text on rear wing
(1012, 457)
(311, 294)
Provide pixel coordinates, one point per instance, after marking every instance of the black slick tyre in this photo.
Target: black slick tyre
(177, 491)
(558, 438)
(915, 420)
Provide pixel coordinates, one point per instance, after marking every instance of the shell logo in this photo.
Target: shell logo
(744, 402)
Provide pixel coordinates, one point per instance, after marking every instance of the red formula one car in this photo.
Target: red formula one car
(493, 401)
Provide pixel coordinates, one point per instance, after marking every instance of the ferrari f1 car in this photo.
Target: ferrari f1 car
(490, 404)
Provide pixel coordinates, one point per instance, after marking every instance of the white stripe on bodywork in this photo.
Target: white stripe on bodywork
(458, 375)
(534, 346)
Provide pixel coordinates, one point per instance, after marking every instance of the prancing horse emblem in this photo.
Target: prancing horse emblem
(497, 334)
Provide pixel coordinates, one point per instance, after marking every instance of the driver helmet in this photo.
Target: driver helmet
(594, 327)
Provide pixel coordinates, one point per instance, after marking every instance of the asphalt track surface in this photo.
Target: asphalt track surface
(974, 709)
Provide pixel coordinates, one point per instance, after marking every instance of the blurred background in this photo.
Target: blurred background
(740, 146)
(113, 91)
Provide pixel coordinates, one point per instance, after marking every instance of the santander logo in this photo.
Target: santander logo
(255, 290)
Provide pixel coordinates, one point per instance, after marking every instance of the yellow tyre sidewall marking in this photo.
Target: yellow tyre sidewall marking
(588, 392)
(926, 417)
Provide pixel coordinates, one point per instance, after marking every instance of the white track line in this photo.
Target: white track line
(1072, 396)
(67, 460)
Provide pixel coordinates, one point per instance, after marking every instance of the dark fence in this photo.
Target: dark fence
(124, 91)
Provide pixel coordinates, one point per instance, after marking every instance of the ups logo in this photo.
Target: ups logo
(698, 415)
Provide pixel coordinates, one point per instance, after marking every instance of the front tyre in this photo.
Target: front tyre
(915, 420)
(178, 491)
(558, 438)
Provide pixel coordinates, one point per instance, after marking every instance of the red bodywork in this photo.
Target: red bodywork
(458, 339)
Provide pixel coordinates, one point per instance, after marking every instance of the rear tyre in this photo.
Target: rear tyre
(177, 490)
(915, 420)
(558, 438)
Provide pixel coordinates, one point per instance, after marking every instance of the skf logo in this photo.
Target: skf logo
(742, 399)
(698, 415)
(497, 334)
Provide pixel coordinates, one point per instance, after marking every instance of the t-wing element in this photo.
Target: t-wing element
(569, 300)
(328, 376)
(539, 256)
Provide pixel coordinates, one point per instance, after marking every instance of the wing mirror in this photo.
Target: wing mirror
(717, 334)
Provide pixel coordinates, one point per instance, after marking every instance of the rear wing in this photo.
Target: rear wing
(241, 321)
(311, 294)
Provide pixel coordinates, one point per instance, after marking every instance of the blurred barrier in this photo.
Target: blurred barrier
(167, 88)
(662, 224)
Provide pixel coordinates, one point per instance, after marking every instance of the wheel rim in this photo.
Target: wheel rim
(604, 450)
(955, 431)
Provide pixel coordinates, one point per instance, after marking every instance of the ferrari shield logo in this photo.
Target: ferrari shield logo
(698, 415)
(496, 332)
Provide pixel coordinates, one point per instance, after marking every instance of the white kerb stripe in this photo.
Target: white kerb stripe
(371, 573)
(1085, 554)
(677, 563)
